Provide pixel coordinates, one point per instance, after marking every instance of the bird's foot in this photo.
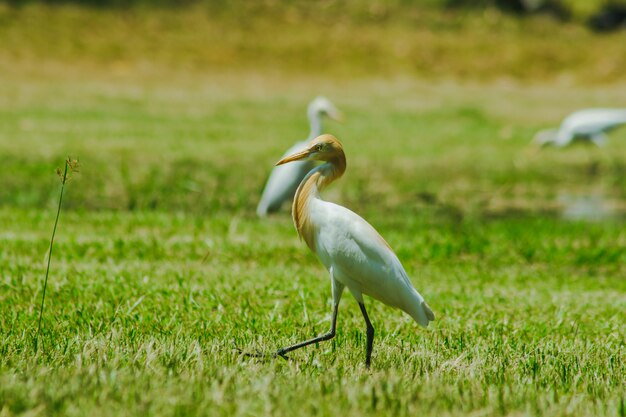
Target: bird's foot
(262, 355)
(281, 352)
(257, 354)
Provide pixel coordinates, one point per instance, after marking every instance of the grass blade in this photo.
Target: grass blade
(73, 165)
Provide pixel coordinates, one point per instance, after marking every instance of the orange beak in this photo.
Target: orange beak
(295, 157)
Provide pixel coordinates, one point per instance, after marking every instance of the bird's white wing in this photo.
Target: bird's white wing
(362, 260)
(591, 121)
(283, 182)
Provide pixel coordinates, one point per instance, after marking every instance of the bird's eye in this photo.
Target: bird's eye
(320, 147)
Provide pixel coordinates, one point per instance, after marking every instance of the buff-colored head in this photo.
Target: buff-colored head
(322, 148)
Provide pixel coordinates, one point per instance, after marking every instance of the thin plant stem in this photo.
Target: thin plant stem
(45, 282)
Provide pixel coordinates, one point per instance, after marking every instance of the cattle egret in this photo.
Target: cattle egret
(355, 255)
(283, 180)
(589, 124)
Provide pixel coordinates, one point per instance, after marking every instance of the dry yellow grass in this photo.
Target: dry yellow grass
(334, 41)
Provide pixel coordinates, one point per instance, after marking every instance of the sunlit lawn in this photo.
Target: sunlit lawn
(161, 273)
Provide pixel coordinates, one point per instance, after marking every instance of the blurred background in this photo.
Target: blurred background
(186, 105)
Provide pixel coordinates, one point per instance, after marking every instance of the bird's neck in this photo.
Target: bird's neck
(315, 121)
(315, 181)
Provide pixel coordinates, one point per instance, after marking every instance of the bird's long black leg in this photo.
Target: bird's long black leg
(337, 289)
(326, 336)
(370, 336)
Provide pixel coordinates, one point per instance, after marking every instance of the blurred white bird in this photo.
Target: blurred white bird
(354, 253)
(283, 180)
(588, 124)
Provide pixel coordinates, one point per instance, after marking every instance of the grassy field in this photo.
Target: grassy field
(338, 39)
(162, 274)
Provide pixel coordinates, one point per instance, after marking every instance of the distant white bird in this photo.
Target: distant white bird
(354, 253)
(589, 124)
(283, 180)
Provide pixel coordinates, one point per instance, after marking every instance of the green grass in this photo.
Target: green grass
(530, 305)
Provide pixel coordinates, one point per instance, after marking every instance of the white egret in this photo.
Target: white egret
(283, 180)
(589, 124)
(355, 255)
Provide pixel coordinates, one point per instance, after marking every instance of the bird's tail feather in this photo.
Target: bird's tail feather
(420, 310)
(429, 313)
